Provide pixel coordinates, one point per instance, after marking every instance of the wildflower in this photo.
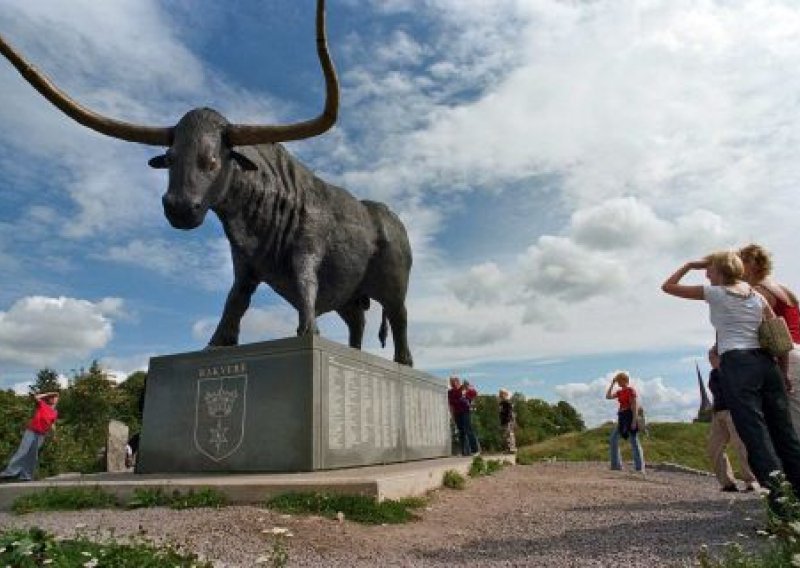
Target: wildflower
(761, 532)
(775, 473)
(2, 550)
(48, 561)
(796, 561)
(276, 531)
(86, 553)
(91, 564)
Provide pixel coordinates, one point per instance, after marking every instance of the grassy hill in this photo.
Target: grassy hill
(675, 442)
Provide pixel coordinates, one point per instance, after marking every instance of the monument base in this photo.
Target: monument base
(290, 405)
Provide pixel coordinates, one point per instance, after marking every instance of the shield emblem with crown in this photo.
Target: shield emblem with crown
(219, 416)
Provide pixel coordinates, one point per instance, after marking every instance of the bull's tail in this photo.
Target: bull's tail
(384, 329)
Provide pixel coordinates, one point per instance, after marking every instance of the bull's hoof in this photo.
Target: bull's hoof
(404, 359)
(305, 331)
(211, 347)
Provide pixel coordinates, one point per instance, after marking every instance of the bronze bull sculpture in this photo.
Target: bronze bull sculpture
(315, 244)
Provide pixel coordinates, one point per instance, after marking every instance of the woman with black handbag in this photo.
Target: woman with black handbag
(753, 384)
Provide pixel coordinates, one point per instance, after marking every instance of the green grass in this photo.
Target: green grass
(358, 508)
(79, 498)
(157, 497)
(480, 467)
(34, 548)
(71, 499)
(679, 442)
(453, 480)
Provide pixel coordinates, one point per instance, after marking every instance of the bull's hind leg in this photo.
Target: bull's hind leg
(353, 315)
(398, 319)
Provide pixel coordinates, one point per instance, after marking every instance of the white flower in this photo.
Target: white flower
(775, 473)
(340, 516)
(86, 553)
(277, 531)
(48, 561)
(796, 560)
(91, 564)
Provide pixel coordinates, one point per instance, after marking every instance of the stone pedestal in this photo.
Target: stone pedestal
(298, 404)
(116, 440)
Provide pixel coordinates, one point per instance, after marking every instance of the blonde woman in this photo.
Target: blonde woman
(758, 272)
(627, 422)
(752, 382)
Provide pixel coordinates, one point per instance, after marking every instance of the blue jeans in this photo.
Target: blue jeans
(22, 464)
(466, 435)
(636, 449)
(754, 391)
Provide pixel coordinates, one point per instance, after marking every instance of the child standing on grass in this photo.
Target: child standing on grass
(507, 422)
(627, 422)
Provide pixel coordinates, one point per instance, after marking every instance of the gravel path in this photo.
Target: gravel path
(553, 515)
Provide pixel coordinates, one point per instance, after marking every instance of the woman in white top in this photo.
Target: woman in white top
(751, 382)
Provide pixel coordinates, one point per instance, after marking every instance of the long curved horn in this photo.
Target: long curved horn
(247, 134)
(155, 136)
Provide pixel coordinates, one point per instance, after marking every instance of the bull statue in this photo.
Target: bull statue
(315, 244)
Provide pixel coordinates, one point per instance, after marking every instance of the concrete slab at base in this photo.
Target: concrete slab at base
(393, 481)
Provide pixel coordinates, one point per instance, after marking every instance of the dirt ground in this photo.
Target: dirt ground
(548, 514)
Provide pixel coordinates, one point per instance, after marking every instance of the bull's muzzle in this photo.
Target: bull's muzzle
(183, 213)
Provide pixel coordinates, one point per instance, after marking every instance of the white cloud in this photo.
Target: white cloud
(556, 267)
(40, 331)
(482, 283)
(258, 324)
(206, 263)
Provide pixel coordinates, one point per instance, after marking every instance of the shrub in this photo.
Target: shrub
(453, 480)
(33, 548)
(67, 499)
(157, 497)
(783, 548)
(358, 508)
(477, 467)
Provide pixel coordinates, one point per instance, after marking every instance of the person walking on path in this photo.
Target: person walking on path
(757, 263)
(23, 463)
(627, 425)
(753, 385)
(722, 433)
(507, 422)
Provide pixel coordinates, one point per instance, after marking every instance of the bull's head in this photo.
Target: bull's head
(201, 145)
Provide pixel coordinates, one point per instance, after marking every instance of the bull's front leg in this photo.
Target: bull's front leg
(307, 286)
(236, 305)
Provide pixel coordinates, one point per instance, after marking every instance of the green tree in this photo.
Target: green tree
(46, 381)
(129, 407)
(15, 411)
(84, 411)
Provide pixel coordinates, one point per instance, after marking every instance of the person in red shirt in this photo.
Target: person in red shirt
(757, 262)
(23, 463)
(627, 422)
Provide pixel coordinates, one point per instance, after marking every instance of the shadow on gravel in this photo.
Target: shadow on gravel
(629, 543)
(747, 502)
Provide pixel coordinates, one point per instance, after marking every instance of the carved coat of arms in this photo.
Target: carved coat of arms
(219, 416)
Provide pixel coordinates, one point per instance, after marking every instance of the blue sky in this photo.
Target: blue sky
(552, 161)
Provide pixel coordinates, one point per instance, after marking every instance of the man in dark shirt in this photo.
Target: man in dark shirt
(460, 410)
(723, 432)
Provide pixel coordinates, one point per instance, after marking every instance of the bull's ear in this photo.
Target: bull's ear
(159, 162)
(244, 162)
